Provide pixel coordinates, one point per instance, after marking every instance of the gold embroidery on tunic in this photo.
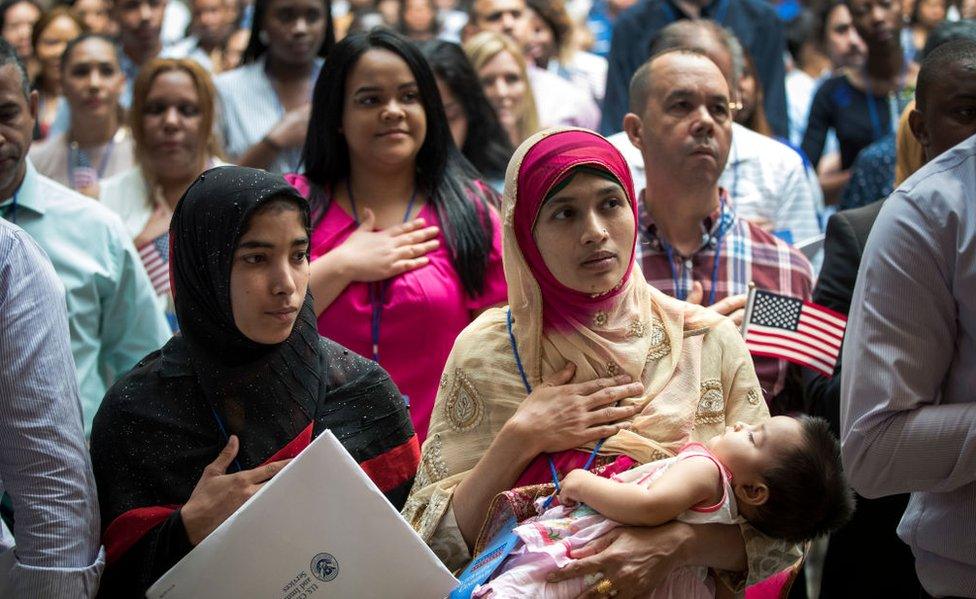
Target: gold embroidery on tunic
(432, 515)
(637, 329)
(711, 407)
(464, 405)
(600, 319)
(432, 466)
(660, 345)
(753, 397)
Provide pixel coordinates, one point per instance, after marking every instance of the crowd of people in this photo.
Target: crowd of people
(503, 249)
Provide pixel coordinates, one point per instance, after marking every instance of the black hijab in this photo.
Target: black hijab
(246, 382)
(165, 420)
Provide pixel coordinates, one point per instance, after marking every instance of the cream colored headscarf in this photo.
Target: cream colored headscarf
(697, 377)
(637, 331)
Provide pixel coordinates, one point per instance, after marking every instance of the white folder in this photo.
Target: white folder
(320, 528)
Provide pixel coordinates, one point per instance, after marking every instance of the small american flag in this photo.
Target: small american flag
(801, 332)
(83, 177)
(155, 258)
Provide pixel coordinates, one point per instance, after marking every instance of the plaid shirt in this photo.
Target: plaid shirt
(745, 253)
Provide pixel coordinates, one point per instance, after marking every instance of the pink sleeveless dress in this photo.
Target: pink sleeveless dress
(547, 541)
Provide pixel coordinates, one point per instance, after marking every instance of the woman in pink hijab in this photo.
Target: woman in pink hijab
(586, 361)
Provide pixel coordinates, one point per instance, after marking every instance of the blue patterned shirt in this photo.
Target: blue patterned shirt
(44, 464)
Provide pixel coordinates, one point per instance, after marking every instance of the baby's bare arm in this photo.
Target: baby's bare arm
(688, 483)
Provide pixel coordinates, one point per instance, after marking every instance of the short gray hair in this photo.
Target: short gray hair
(9, 56)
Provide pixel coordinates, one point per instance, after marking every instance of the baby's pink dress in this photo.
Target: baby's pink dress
(547, 540)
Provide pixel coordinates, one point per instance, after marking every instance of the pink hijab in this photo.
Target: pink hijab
(631, 329)
(547, 163)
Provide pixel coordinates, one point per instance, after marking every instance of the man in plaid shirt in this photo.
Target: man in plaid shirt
(692, 245)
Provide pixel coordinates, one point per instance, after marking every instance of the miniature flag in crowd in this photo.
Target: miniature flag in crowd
(802, 332)
(83, 177)
(155, 257)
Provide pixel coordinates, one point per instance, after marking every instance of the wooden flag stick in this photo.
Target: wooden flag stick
(748, 315)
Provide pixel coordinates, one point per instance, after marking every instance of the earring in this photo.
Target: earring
(263, 37)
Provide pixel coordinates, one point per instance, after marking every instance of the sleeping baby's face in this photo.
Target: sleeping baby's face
(749, 450)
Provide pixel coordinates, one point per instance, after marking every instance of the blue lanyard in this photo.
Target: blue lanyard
(876, 130)
(10, 212)
(679, 291)
(498, 548)
(872, 112)
(377, 290)
(223, 431)
(528, 389)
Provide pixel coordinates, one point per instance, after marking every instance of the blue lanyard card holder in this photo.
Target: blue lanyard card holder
(487, 562)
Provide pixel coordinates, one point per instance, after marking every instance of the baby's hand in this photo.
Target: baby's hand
(571, 488)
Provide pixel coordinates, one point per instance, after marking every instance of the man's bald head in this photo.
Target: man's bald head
(699, 36)
(643, 80)
(684, 127)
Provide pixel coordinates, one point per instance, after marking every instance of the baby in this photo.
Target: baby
(783, 476)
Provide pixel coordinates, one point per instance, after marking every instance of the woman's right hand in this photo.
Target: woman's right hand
(291, 130)
(218, 495)
(557, 416)
(157, 225)
(369, 255)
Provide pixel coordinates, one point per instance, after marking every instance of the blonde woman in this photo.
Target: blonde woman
(172, 124)
(501, 67)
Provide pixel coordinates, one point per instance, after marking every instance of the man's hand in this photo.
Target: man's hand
(732, 306)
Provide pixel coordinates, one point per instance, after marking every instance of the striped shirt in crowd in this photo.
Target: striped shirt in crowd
(908, 412)
(44, 463)
(250, 109)
(744, 253)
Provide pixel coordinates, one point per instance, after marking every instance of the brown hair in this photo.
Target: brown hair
(46, 19)
(49, 17)
(757, 121)
(140, 91)
(553, 14)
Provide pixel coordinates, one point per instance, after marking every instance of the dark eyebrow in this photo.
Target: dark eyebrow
(678, 93)
(609, 189)
(374, 89)
(250, 245)
(258, 244)
(686, 93)
(558, 200)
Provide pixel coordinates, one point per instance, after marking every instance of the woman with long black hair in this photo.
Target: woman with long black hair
(473, 122)
(195, 429)
(406, 245)
(265, 102)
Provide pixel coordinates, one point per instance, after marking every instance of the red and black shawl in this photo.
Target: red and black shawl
(161, 424)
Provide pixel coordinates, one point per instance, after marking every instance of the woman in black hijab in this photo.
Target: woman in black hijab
(196, 428)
